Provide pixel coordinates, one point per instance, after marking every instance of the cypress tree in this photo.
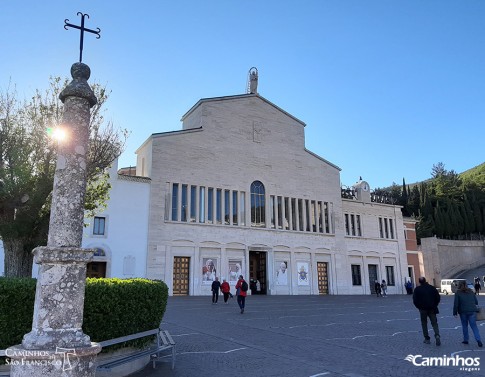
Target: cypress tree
(477, 215)
(466, 224)
(438, 222)
(457, 220)
(404, 193)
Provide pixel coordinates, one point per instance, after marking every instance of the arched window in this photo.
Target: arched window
(258, 217)
(99, 252)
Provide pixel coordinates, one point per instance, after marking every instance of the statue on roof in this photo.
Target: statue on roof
(253, 81)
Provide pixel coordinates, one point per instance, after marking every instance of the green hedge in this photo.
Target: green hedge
(16, 309)
(112, 307)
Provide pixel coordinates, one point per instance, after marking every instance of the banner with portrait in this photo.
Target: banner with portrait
(209, 270)
(235, 269)
(281, 273)
(303, 273)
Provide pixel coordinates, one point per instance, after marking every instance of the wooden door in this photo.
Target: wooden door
(322, 271)
(96, 270)
(181, 274)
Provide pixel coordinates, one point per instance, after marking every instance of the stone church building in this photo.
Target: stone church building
(234, 192)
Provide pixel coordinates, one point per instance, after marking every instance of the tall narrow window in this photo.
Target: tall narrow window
(258, 207)
(390, 275)
(234, 207)
(352, 224)
(183, 216)
(308, 215)
(272, 209)
(202, 204)
(287, 214)
(293, 214)
(280, 212)
(242, 198)
(210, 205)
(356, 275)
(99, 225)
(347, 224)
(193, 202)
(381, 229)
(300, 213)
(227, 213)
(391, 229)
(358, 226)
(219, 206)
(320, 217)
(175, 201)
(327, 219)
(386, 228)
(313, 216)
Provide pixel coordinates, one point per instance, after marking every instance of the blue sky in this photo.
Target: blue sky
(386, 88)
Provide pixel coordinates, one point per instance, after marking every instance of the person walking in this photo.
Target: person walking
(241, 292)
(477, 286)
(466, 305)
(216, 285)
(409, 287)
(426, 298)
(384, 288)
(226, 290)
(377, 287)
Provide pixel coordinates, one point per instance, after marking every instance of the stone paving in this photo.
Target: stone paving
(310, 336)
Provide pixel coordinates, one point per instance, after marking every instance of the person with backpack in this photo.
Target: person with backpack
(241, 292)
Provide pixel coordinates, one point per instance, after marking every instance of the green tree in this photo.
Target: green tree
(439, 227)
(477, 216)
(27, 163)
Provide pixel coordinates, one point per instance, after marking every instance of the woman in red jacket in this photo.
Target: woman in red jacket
(241, 289)
(226, 290)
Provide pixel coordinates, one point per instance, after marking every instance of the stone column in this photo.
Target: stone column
(57, 346)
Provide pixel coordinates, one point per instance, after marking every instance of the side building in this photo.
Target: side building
(119, 233)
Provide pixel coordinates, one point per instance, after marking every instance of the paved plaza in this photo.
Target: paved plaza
(308, 336)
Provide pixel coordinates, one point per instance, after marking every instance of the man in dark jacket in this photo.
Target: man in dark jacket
(426, 298)
(216, 285)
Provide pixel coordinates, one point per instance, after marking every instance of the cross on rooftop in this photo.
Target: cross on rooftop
(82, 29)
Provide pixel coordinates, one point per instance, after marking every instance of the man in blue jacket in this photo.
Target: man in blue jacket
(426, 298)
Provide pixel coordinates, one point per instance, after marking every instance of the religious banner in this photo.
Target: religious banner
(281, 273)
(234, 270)
(209, 271)
(302, 271)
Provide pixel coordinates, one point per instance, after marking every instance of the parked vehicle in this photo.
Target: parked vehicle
(451, 285)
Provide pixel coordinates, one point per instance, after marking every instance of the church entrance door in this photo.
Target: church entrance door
(322, 270)
(372, 277)
(257, 272)
(181, 276)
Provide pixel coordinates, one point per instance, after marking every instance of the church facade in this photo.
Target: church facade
(235, 191)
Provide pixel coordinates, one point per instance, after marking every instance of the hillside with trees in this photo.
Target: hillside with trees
(448, 205)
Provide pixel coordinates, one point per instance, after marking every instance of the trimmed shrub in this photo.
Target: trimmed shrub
(118, 307)
(17, 296)
(112, 308)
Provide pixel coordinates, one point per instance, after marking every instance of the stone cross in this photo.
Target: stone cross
(57, 346)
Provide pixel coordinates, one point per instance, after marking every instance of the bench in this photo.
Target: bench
(164, 342)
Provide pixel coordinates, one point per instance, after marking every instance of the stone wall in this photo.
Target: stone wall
(443, 259)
